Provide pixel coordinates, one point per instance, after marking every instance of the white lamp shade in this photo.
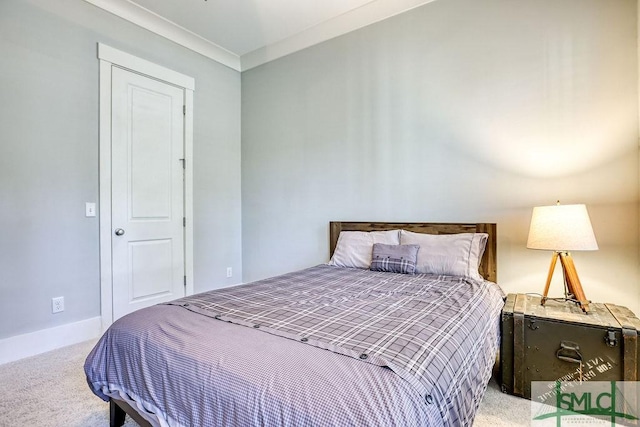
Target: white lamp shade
(561, 228)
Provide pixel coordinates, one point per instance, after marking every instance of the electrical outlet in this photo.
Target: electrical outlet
(229, 272)
(57, 304)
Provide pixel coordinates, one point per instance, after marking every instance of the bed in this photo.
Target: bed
(334, 344)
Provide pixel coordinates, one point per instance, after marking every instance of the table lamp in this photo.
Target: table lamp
(563, 228)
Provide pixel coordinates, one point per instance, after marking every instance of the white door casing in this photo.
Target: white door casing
(143, 193)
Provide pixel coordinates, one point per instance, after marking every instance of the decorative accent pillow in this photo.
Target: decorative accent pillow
(354, 247)
(450, 254)
(394, 258)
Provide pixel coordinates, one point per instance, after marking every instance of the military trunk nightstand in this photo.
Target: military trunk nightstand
(558, 341)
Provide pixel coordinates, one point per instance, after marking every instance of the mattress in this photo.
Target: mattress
(202, 361)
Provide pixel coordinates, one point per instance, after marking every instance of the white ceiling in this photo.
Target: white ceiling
(245, 33)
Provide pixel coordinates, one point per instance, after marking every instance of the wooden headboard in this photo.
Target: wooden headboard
(488, 264)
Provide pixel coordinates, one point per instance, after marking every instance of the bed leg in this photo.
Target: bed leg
(116, 415)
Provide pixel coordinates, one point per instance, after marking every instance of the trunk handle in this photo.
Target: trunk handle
(569, 352)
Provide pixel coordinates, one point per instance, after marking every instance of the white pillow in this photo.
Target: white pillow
(450, 254)
(354, 248)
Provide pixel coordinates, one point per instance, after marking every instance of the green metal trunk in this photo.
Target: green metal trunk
(558, 342)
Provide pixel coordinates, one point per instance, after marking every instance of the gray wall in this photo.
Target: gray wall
(455, 111)
(49, 158)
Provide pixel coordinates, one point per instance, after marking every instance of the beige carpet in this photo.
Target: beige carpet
(50, 390)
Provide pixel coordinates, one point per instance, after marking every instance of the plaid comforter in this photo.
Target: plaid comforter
(436, 332)
(179, 366)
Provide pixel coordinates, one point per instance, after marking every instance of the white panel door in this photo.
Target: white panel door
(147, 203)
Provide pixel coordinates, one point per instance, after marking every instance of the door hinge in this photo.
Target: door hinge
(184, 110)
(184, 163)
(184, 221)
(185, 281)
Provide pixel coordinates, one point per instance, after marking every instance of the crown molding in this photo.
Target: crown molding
(365, 15)
(155, 23)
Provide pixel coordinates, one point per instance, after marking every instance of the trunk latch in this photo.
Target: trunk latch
(611, 339)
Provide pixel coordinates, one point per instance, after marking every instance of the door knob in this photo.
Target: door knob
(119, 231)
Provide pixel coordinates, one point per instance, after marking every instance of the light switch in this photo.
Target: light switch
(89, 209)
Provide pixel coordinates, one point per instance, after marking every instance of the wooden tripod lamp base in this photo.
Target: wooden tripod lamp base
(573, 287)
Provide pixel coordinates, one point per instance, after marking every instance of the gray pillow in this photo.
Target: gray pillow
(394, 258)
(450, 254)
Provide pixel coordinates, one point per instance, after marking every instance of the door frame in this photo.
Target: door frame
(110, 57)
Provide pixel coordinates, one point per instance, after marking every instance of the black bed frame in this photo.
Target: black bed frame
(119, 409)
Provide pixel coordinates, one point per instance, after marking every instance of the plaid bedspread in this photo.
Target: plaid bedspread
(437, 333)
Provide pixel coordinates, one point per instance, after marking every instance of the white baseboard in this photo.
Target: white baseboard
(21, 346)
